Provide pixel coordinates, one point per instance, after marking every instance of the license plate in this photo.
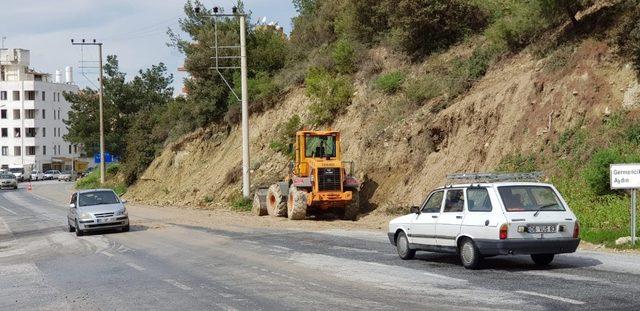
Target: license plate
(541, 229)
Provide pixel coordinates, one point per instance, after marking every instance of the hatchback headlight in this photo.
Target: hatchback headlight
(86, 216)
(121, 212)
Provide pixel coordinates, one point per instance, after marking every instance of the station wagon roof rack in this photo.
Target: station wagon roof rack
(494, 177)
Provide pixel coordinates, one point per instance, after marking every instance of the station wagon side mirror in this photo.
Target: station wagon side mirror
(415, 210)
(72, 205)
(123, 201)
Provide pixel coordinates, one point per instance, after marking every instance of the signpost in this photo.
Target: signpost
(627, 176)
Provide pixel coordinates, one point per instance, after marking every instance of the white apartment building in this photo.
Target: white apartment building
(32, 109)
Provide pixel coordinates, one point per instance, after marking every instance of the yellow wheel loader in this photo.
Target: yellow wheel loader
(318, 181)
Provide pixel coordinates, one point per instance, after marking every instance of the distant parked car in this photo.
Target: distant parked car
(96, 209)
(37, 175)
(66, 176)
(18, 172)
(8, 181)
(51, 174)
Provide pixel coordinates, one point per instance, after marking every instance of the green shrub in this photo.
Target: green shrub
(240, 203)
(332, 94)
(518, 163)
(419, 27)
(286, 132)
(423, 88)
(596, 172)
(207, 199)
(92, 181)
(390, 82)
(344, 57)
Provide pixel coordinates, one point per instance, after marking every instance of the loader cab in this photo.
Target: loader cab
(316, 149)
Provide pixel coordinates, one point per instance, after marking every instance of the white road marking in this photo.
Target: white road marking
(8, 210)
(4, 229)
(567, 300)
(281, 247)
(13, 252)
(250, 242)
(177, 284)
(353, 249)
(565, 276)
(132, 265)
(107, 254)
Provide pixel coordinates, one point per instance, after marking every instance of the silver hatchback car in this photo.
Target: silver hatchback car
(95, 210)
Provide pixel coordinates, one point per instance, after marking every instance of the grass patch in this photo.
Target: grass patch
(240, 204)
(390, 82)
(92, 181)
(423, 89)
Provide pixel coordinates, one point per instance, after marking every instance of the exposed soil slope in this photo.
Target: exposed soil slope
(402, 150)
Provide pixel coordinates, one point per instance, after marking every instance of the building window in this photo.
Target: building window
(3, 95)
(5, 150)
(3, 114)
(16, 132)
(44, 114)
(29, 113)
(16, 95)
(75, 148)
(16, 114)
(44, 150)
(44, 97)
(69, 149)
(29, 95)
(17, 151)
(5, 132)
(31, 150)
(30, 132)
(44, 132)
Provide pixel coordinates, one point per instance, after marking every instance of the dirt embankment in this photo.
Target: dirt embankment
(401, 149)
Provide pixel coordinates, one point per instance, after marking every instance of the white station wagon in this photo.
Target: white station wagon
(498, 215)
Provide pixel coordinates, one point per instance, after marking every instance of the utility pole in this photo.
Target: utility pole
(100, 95)
(244, 94)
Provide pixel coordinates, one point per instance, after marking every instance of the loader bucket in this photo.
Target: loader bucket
(260, 202)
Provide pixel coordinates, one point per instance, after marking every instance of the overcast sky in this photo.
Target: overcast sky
(135, 30)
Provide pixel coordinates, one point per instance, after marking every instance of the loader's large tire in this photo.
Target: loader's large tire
(276, 201)
(296, 204)
(352, 209)
(259, 207)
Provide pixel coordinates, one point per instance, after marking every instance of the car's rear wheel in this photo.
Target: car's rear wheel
(469, 254)
(78, 231)
(542, 259)
(402, 245)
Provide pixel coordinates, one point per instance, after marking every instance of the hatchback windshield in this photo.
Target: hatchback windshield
(98, 198)
(16, 170)
(529, 198)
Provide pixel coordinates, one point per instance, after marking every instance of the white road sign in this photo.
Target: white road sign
(625, 176)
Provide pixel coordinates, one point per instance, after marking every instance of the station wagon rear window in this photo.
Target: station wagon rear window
(529, 199)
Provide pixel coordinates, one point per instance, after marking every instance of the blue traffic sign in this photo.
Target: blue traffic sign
(107, 157)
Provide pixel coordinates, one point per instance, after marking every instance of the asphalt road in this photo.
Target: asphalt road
(183, 267)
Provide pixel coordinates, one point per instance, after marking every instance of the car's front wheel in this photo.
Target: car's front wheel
(469, 254)
(402, 245)
(78, 231)
(542, 259)
(125, 228)
(71, 228)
